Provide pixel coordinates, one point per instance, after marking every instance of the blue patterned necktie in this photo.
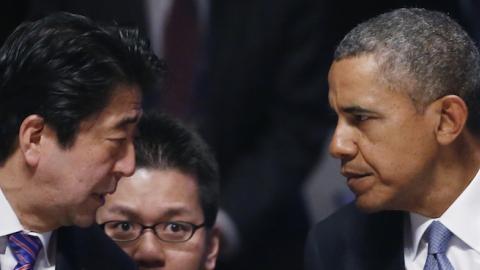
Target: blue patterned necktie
(25, 249)
(438, 238)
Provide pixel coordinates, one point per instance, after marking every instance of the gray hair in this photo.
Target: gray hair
(425, 53)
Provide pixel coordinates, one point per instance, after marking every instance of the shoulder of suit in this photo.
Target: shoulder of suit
(89, 248)
(350, 222)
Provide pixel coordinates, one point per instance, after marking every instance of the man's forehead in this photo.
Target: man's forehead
(155, 193)
(164, 212)
(355, 82)
(123, 109)
(112, 120)
(129, 119)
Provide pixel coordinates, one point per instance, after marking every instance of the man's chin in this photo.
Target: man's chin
(369, 206)
(84, 220)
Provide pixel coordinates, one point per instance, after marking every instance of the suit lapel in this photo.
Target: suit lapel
(383, 241)
(65, 256)
(89, 249)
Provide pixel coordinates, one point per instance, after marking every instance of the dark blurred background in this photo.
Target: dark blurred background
(251, 76)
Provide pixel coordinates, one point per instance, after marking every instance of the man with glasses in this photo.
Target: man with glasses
(163, 215)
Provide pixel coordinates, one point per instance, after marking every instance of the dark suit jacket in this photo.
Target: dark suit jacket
(350, 239)
(88, 249)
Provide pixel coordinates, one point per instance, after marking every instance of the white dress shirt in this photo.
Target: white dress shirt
(10, 224)
(462, 218)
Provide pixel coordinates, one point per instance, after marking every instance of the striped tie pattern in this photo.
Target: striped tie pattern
(25, 249)
(438, 238)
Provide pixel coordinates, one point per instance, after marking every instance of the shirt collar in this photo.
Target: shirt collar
(10, 224)
(459, 218)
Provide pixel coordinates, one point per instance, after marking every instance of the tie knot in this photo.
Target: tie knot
(25, 249)
(438, 238)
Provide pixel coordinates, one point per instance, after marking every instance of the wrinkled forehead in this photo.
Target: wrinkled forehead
(352, 73)
(372, 71)
(354, 86)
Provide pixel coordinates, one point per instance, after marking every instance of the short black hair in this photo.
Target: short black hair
(423, 52)
(65, 68)
(164, 143)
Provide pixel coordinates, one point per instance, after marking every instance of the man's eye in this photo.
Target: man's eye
(360, 118)
(122, 226)
(176, 227)
(118, 140)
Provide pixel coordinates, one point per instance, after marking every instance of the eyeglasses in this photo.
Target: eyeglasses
(171, 231)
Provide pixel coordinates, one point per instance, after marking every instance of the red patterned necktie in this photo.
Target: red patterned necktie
(25, 249)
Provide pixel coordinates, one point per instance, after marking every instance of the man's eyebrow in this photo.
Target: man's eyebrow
(128, 120)
(132, 215)
(124, 211)
(356, 110)
(175, 212)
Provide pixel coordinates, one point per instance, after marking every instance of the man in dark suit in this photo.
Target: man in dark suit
(70, 99)
(404, 86)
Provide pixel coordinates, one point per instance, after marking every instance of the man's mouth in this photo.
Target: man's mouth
(354, 175)
(358, 182)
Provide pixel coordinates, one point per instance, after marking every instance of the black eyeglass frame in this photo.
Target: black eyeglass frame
(195, 227)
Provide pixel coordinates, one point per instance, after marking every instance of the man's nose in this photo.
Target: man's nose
(149, 251)
(343, 145)
(125, 165)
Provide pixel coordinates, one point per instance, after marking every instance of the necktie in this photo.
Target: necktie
(25, 249)
(438, 237)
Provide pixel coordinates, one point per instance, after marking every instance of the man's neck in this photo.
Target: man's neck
(455, 169)
(18, 187)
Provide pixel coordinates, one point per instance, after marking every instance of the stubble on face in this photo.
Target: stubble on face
(385, 144)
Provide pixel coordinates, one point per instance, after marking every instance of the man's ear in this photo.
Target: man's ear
(29, 138)
(213, 245)
(453, 114)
